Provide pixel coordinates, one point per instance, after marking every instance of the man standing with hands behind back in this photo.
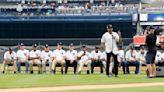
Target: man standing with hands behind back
(109, 42)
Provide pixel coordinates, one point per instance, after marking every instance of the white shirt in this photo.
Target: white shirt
(110, 41)
(71, 55)
(141, 56)
(103, 56)
(96, 55)
(46, 55)
(8, 56)
(34, 54)
(86, 57)
(121, 55)
(59, 54)
(131, 56)
(162, 56)
(158, 56)
(23, 55)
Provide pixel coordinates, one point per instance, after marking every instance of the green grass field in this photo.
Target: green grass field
(136, 89)
(11, 80)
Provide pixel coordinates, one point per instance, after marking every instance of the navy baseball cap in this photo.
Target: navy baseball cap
(109, 26)
(151, 27)
(46, 45)
(34, 45)
(21, 44)
(60, 43)
(83, 46)
(142, 47)
(96, 47)
(71, 44)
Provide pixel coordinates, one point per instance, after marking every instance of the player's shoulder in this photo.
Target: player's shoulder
(7, 52)
(114, 33)
(43, 51)
(55, 50)
(74, 51)
(62, 50)
(38, 51)
(26, 50)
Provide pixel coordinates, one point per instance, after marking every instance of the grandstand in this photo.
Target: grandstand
(69, 20)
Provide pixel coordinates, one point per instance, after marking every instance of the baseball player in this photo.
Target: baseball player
(34, 58)
(121, 58)
(9, 58)
(46, 56)
(131, 58)
(58, 58)
(95, 57)
(71, 58)
(23, 56)
(109, 42)
(141, 56)
(84, 59)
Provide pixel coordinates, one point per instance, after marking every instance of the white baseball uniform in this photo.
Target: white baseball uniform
(95, 55)
(46, 56)
(158, 57)
(58, 57)
(71, 55)
(84, 60)
(22, 55)
(9, 59)
(34, 54)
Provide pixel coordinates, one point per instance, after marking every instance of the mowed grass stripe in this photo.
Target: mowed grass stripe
(27, 80)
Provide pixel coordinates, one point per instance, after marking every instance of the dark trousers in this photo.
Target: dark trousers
(19, 66)
(136, 63)
(116, 63)
(74, 64)
(96, 63)
(124, 67)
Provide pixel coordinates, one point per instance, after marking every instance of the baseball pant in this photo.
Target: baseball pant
(6, 62)
(68, 63)
(96, 63)
(44, 62)
(136, 63)
(35, 61)
(55, 62)
(82, 63)
(19, 66)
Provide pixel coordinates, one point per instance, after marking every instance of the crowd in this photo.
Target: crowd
(74, 58)
(53, 9)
